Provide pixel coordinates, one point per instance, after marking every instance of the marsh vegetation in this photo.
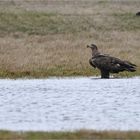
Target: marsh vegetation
(82, 134)
(49, 38)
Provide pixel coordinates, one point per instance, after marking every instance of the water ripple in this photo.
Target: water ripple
(70, 103)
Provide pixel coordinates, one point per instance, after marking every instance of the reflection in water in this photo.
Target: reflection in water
(70, 103)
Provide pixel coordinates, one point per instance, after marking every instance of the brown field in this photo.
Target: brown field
(49, 37)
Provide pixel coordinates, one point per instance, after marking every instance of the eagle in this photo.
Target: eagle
(108, 64)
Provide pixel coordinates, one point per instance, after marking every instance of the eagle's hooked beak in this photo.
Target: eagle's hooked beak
(88, 46)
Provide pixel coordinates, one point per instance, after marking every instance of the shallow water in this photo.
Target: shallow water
(70, 104)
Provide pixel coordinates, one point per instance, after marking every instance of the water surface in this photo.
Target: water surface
(70, 104)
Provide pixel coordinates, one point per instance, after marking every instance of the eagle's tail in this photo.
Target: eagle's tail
(129, 66)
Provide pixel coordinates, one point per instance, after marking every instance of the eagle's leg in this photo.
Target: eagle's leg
(104, 74)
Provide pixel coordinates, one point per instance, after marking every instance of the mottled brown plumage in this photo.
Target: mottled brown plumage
(108, 64)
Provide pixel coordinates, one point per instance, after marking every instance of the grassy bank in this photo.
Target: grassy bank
(78, 135)
(49, 38)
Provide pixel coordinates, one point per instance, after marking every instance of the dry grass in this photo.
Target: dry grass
(49, 38)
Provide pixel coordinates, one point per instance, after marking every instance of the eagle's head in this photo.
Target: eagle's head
(94, 49)
(92, 46)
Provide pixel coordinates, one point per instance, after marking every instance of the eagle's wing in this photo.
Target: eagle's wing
(91, 62)
(112, 64)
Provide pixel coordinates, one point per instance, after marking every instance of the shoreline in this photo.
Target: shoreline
(61, 74)
(68, 77)
(79, 134)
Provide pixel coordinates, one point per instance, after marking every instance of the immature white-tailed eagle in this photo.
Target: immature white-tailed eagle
(108, 64)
